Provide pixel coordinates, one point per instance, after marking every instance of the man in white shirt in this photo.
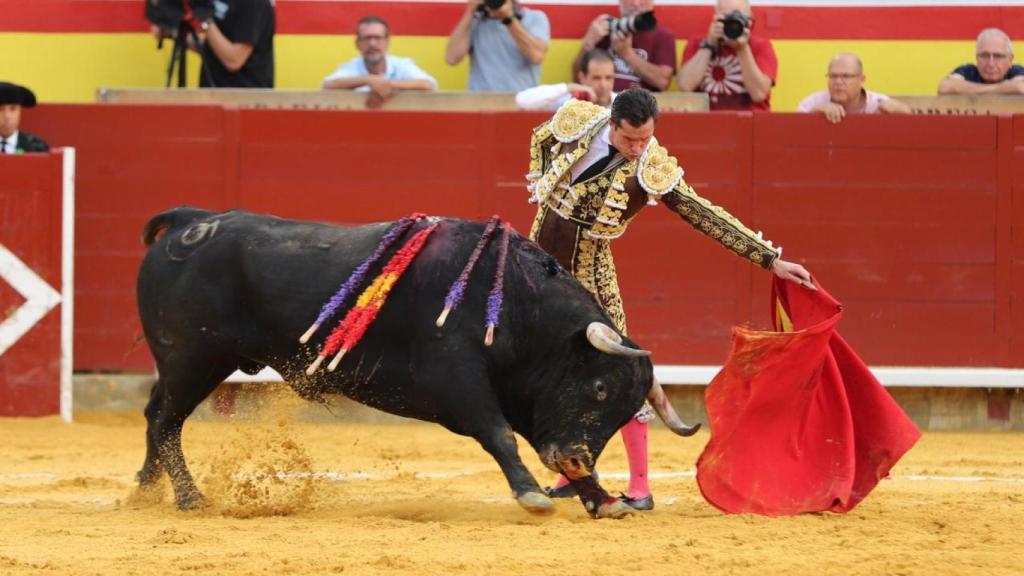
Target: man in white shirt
(376, 71)
(846, 93)
(12, 140)
(596, 78)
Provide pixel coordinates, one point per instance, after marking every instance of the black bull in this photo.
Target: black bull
(220, 292)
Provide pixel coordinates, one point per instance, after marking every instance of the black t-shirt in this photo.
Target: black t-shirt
(971, 73)
(247, 22)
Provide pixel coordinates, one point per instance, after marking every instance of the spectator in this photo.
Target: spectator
(994, 73)
(505, 45)
(737, 73)
(646, 59)
(13, 141)
(846, 93)
(595, 85)
(376, 71)
(238, 45)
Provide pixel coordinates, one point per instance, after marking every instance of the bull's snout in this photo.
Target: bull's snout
(575, 463)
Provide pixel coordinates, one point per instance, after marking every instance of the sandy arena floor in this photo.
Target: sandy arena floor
(415, 499)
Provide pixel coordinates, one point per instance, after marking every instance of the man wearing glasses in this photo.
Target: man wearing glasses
(846, 93)
(994, 73)
(375, 71)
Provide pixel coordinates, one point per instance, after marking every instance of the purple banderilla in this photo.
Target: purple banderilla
(458, 289)
(359, 274)
(495, 297)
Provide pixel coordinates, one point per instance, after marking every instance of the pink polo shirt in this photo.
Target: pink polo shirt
(871, 103)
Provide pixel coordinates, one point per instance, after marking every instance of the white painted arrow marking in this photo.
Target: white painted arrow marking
(39, 296)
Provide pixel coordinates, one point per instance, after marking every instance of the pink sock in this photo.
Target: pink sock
(634, 437)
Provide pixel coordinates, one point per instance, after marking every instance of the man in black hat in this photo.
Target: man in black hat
(12, 141)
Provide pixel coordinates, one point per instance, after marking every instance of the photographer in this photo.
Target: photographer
(236, 39)
(506, 44)
(735, 68)
(644, 51)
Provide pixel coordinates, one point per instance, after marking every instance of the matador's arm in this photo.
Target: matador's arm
(717, 223)
(662, 179)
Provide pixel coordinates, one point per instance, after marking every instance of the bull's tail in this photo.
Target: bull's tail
(169, 220)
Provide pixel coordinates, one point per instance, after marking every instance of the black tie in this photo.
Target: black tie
(3, 145)
(597, 167)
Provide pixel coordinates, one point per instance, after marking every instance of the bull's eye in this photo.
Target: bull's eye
(600, 390)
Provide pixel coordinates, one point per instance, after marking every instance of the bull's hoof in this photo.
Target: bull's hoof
(536, 503)
(614, 508)
(147, 477)
(191, 501)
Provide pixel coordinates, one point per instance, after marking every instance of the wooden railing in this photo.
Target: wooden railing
(964, 104)
(350, 100)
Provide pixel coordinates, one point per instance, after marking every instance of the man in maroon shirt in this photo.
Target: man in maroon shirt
(736, 69)
(645, 59)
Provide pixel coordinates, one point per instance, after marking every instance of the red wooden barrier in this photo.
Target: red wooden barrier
(907, 220)
(30, 283)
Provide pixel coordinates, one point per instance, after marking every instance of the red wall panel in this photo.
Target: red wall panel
(30, 229)
(901, 222)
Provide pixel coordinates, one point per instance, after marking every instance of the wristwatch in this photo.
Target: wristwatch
(709, 46)
(205, 25)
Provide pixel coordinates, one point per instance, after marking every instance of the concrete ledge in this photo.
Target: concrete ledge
(931, 407)
(889, 376)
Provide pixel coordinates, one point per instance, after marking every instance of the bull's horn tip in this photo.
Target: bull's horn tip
(309, 333)
(314, 366)
(444, 316)
(489, 338)
(337, 360)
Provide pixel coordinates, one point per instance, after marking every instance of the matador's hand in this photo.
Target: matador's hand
(793, 272)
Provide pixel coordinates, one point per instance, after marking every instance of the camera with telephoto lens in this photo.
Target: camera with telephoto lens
(734, 24)
(169, 14)
(633, 23)
(492, 4)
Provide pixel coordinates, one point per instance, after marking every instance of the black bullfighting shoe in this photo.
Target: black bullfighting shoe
(643, 503)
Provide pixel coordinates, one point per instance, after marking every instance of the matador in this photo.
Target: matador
(591, 171)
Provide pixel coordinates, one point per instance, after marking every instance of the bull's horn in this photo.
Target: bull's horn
(667, 413)
(602, 337)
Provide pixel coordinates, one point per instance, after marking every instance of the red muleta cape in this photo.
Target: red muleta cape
(798, 422)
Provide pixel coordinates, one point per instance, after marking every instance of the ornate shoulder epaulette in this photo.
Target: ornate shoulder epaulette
(575, 122)
(575, 118)
(658, 173)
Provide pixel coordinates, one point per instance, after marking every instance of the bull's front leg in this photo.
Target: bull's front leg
(597, 501)
(500, 442)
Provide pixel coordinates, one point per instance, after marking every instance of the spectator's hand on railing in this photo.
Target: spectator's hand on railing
(1016, 84)
(833, 112)
(380, 91)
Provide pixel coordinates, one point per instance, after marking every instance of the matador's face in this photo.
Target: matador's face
(629, 140)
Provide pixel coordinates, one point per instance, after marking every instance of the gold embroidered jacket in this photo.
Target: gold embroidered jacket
(576, 221)
(605, 203)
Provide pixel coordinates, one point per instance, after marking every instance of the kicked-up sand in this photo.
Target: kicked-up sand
(301, 497)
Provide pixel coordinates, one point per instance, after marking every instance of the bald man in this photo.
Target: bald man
(846, 93)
